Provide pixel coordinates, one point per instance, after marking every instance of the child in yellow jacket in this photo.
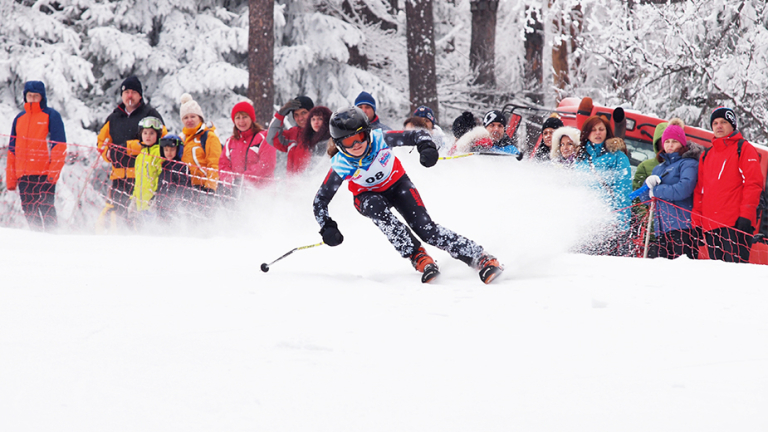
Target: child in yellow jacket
(148, 165)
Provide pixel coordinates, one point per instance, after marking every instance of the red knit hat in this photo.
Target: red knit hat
(245, 107)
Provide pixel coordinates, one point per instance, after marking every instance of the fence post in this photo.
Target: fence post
(648, 228)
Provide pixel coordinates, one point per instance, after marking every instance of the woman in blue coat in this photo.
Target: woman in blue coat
(602, 155)
(672, 183)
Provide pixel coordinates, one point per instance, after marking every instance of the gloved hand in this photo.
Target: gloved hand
(743, 224)
(291, 105)
(652, 181)
(428, 155)
(331, 234)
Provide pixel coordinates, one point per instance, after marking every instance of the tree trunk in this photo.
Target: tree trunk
(422, 78)
(483, 41)
(559, 50)
(261, 49)
(534, 47)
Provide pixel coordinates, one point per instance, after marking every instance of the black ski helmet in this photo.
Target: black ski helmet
(348, 122)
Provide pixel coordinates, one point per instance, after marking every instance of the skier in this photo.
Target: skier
(378, 181)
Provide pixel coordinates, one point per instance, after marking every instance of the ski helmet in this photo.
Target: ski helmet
(170, 140)
(348, 122)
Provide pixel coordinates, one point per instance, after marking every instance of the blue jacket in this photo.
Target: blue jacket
(612, 177)
(679, 175)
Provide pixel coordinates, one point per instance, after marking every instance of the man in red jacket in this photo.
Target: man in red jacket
(36, 154)
(728, 191)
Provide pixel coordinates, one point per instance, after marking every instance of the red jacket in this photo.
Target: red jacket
(38, 142)
(729, 186)
(288, 141)
(250, 157)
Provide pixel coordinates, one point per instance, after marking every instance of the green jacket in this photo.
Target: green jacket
(149, 164)
(646, 167)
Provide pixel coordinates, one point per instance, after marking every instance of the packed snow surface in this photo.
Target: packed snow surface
(181, 331)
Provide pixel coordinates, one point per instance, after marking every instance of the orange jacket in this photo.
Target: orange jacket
(38, 142)
(203, 162)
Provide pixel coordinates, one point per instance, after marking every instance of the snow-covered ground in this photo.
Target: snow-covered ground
(182, 332)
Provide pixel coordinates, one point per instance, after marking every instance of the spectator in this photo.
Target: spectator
(728, 191)
(36, 153)
(495, 123)
(313, 139)
(202, 148)
(566, 145)
(428, 115)
(672, 182)
(367, 103)
(463, 124)
(174, 181)
(148, 164)
(544, 150)
(247, 156)
(121, 126)
(413, 123)
(286, 140)
(378, 182)
(603, 157)
(646, 167)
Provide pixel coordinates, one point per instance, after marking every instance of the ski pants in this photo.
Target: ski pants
(37, 201)
(675, 243)
(728, 244)
(404, 197)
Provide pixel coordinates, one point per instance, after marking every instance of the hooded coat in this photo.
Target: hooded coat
(203, 161)
(38, 144)
(646, 167)
(679, 175)
(612, 172)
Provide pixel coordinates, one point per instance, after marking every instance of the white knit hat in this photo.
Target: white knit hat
(189, 106)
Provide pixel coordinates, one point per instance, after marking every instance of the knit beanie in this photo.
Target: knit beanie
(494, 116)
(725, 113)
(425, 112)
(131, 83)
(246, 107)
(306, 102)
(189, 106)
(463, 124)
(365, 98)
(552, 123)
(675, 131)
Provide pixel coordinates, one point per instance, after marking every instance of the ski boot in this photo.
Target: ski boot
(424, 264)
(489, 268)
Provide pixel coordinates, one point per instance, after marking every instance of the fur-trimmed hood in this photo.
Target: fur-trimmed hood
(469, 139)
(573, 133)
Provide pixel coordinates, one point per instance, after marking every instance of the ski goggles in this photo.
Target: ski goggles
(353, 140)
(170, 141)
(151, 123)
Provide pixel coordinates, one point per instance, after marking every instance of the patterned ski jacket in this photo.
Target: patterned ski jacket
(375, 172)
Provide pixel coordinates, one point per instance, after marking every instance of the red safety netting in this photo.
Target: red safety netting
(91, 192)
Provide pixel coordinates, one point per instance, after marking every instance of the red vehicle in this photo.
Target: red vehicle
(637, 133)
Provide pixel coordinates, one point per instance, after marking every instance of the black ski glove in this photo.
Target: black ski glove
(427, 152)
(291, 105)
(331, 234)
(743, 224)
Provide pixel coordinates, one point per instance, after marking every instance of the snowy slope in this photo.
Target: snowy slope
(183, 332)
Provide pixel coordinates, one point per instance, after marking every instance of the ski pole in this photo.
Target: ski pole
(265, 266)
(456, 156)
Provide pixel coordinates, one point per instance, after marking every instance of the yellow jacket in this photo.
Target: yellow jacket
(149, 165)
(203, 162)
